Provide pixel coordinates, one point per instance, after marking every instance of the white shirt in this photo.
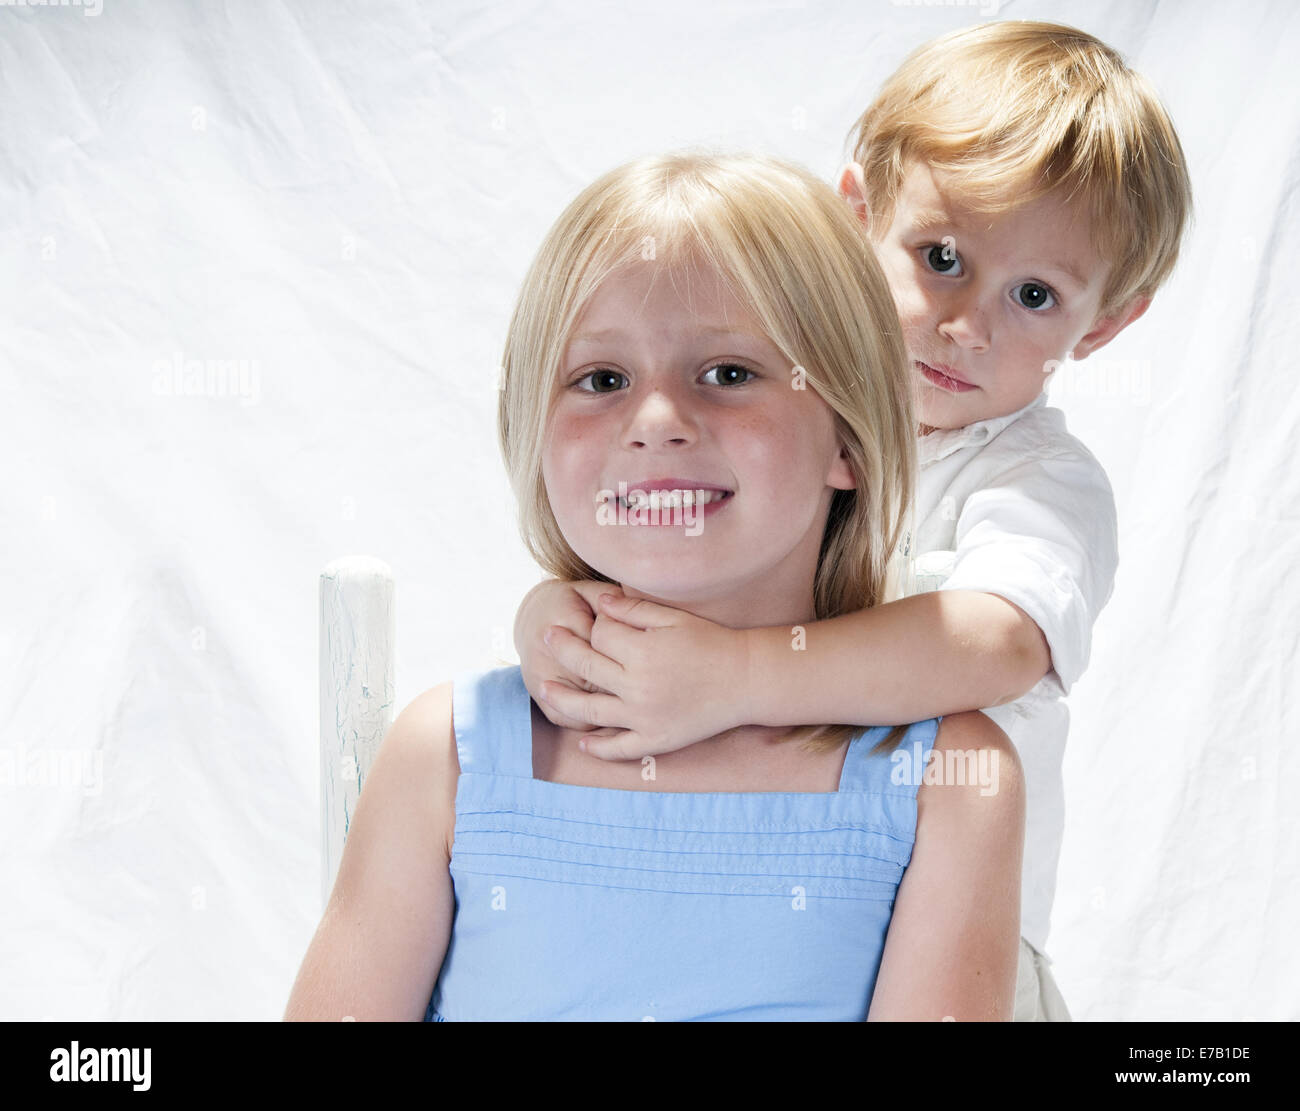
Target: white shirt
(1016, 506)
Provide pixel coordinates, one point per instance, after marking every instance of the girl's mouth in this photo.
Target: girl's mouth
(669, 507)
(672, 499)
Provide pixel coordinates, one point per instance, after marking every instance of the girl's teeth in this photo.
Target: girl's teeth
(674, 499)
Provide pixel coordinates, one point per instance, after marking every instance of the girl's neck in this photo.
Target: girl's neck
(750, 609)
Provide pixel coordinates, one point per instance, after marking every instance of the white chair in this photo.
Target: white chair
(357, 639)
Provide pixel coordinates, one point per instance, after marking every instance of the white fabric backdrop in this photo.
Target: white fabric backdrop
(342, 198)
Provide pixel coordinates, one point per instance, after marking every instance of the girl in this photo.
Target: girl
(705, 401)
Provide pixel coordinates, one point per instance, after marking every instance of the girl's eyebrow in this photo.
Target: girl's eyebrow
(711, 331)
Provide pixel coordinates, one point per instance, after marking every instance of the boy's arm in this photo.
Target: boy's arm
(1035, 561)
(1044, 534)
(931, 654)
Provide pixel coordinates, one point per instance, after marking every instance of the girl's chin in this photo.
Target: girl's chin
(669, 589)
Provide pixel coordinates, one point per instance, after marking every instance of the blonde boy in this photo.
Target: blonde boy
(1026, 194)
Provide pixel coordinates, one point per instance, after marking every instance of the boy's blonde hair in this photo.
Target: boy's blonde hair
(1012, 110)
(786, 246)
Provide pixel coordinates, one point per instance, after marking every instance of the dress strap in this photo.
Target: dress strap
(491, 715)
(898, 771)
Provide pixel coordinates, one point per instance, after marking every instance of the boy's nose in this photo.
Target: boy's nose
(963, 321)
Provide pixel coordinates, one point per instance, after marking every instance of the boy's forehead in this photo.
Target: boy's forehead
(923, 197)
(1044, 230)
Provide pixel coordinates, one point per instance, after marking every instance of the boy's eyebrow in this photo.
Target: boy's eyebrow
(932, 220)
(1062, 267)
(926, 219)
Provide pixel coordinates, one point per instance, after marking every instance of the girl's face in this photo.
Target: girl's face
(661, 381)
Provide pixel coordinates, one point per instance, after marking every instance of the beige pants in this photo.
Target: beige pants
(1037, 997)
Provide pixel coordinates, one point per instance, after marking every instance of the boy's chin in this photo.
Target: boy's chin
(937, 422)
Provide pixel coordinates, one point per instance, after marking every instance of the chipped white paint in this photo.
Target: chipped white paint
(357, 627)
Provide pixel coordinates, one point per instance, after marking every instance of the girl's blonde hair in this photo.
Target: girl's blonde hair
(1012, 110)
(786, 246)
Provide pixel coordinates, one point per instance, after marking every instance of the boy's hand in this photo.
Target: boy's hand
(570, 605)
(673, 678)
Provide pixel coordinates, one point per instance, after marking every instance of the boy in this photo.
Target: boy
(1026, 194)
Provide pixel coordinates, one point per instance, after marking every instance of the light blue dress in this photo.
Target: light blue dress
(591, 903)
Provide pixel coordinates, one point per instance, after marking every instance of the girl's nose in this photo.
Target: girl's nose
(660, 419)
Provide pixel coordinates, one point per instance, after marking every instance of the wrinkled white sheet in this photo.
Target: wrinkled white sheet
(340, 201)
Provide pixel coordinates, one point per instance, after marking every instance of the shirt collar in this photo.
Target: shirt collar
(942, 442)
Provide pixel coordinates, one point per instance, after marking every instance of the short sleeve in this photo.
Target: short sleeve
(1043, 534)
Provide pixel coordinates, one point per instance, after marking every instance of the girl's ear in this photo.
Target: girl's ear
(841, 474)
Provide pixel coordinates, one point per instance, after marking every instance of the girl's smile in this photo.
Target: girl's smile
(663, 502)
(667, 379)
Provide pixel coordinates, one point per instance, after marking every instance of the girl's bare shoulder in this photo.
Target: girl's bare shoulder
(974, 774)
(973, 729)
(424, 738)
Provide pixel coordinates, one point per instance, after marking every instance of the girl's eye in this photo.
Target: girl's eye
(1033, 295)
(942, 259)
(604, 376)
(610, 378)
(731, 367)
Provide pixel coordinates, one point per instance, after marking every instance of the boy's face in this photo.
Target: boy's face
(990, 303)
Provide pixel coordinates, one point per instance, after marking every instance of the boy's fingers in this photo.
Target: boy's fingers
(640, 613)
(579, 622)
(562, 721)
(587, 709)
(619, 746)
(576, 656)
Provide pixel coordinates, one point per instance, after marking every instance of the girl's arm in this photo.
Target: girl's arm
(379, 948)
(954, 938)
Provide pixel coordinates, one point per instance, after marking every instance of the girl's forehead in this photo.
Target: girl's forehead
(647, 289)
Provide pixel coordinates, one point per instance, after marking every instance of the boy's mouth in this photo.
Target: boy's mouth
(943, 379)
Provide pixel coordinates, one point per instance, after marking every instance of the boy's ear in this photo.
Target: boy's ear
(1106, 328)
(854, 190)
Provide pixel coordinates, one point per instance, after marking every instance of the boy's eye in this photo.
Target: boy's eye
(1034, 295)
(942, 259)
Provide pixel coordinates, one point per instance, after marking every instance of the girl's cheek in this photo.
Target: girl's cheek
(564, 431)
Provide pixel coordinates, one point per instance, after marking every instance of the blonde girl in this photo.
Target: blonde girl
(705, 402)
